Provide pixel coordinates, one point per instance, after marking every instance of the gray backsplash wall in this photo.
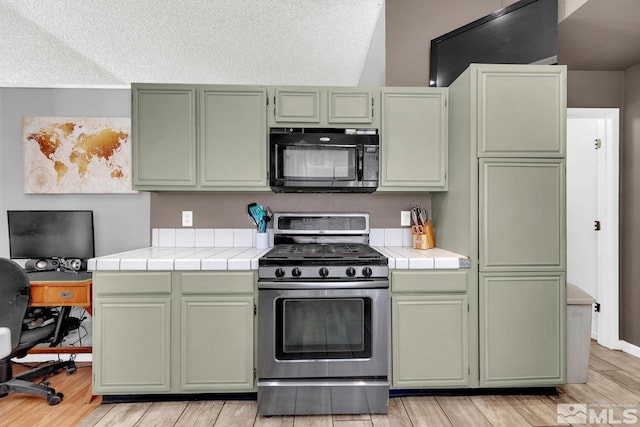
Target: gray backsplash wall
(221, 210)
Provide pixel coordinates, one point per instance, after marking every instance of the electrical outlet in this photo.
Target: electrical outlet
(405, 218)
(187, 218)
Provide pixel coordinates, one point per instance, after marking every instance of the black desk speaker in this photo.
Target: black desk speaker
(42, 264)
(74, 264)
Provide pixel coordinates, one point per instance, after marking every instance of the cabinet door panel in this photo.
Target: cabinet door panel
(350, 106)
(430, 341)
(297, 105)
(414, 139)
(217, 343)
(164, 135)
(522, 214)
(131, 346)
(233, 137)
(522, 332)
(521, 111)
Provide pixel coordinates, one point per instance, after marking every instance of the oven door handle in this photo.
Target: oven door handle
(324, 284)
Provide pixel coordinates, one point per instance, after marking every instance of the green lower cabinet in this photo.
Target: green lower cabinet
(217, 344)
(173, 332)
(430, 341)
(522, 329)
(131, 333)
(216, 331)
(134, 350)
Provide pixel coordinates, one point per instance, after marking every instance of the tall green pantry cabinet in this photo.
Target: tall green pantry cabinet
(506, 209)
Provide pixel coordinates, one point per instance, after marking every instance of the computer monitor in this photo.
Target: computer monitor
(525, 32)
(51, 234)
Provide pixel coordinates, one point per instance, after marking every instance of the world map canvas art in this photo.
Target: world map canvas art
(76, 155)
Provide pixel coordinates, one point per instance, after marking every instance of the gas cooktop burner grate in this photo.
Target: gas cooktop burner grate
(310, 252)
(322, 251)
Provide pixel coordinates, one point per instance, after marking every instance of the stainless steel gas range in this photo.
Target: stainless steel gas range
(323, 318)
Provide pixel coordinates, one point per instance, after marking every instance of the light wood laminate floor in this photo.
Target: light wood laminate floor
(613, 386)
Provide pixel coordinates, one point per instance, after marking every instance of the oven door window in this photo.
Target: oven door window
(318, 162)
(323, 328)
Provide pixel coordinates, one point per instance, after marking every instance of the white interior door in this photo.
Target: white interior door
(582, 207)
(592, 195)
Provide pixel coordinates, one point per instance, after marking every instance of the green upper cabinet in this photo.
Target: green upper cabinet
(164, 136)
(296, 105)
(522, 214)
(233, 138)
(414, 139)
(521, 110)
(302, 106)
(199, 138)
(350, 106)
(215, 137)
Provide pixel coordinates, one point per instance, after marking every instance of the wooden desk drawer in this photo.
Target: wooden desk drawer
(63, 294)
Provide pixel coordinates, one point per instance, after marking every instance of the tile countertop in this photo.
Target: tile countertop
(243, 258)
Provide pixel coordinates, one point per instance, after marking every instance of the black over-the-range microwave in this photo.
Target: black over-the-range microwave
(323, 160)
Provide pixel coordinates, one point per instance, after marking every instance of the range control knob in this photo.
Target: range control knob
(296, 272)
(324, 272)
(351, 271)
(279, 272)
(366, 272)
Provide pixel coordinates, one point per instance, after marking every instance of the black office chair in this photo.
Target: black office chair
(14, 300)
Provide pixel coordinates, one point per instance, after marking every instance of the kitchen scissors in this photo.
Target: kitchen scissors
(417, 229)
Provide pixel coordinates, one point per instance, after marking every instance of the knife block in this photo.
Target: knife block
(426, 240)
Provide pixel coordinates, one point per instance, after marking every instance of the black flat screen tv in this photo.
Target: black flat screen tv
(51, 234)
(525, 32)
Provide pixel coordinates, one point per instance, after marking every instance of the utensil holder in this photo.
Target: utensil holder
(427, 240)
(262, 240)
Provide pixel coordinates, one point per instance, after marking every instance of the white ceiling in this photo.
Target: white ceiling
(601, 35)
(195, 41)
(322, 42)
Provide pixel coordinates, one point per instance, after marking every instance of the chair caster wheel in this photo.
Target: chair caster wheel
(55, 399)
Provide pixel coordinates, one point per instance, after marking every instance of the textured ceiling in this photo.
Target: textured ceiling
(89, 42)
(601, 35)
(323, 42)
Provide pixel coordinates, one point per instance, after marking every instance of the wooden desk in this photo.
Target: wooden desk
(60, 289)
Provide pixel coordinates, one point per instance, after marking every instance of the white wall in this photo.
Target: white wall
(121, 221)
(374, 65)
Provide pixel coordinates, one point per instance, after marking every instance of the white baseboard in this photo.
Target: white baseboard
(632, 349)
(47, 357)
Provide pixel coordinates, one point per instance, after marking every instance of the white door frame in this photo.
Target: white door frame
(608, 215)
